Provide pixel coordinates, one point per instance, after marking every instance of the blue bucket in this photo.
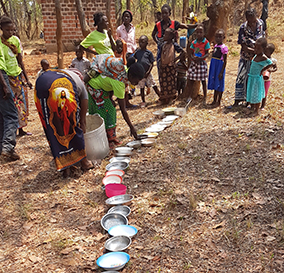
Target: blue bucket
(182, 41)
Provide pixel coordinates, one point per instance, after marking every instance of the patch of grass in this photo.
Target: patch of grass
(91, 203)
(187, 265)
(182, 146)
(24, 211)
(61, 243)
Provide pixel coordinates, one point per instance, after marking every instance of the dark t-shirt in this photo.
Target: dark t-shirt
(144, 57)
(176, 27)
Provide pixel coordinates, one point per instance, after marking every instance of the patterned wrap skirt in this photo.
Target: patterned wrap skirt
(57, 103)
(167, 78)
(197, 71)
(19, 99)
(242, 78)
(100, 103)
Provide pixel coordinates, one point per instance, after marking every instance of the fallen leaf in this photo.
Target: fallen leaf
(270, 238)
(34, 259)
(213, 213)
(222, 224)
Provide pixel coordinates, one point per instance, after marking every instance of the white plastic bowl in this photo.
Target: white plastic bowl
(118, 172)
(112, 179)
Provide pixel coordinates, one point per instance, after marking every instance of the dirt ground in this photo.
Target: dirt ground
(209, 195)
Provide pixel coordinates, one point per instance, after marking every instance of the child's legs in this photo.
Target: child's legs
(179, 85)
(266, 87)
(156, 89)
(204, 86)
(142, 94)
(219, 96)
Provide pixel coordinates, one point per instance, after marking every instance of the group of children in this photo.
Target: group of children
(175, 71)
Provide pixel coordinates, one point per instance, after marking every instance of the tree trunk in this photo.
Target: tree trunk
(28, 23)
(82, 18)
(118, 11)
(196, 5)
(59, 34)
(4, 8)
(108, 7)
(128, 4)
(218, 13)
(185, 5)
(174, 9)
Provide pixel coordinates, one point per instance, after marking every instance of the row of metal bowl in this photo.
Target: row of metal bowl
(115, 222)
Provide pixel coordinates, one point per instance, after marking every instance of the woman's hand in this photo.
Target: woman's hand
(133, 132)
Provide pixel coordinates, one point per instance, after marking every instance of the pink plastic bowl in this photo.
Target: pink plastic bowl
(115, 189)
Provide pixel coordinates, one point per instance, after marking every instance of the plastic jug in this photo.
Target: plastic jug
(96, 142)
(182, 41)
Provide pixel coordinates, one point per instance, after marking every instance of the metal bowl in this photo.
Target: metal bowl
(169, 110)
(125, 210)
(142, 136)
(120, 158)
(110, 272)
(118, 165)
(152, 135)
(159, 113)
(113, 219)
(155, 128)
(118, 243)
(148, 142)
(123, 151)
(134, 144)
(180, 112)
(119, 199)
(113, 260)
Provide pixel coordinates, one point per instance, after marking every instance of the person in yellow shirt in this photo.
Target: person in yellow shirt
(8, 115)
(15, 69)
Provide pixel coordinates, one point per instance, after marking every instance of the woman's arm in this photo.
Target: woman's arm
(21, 64)
(112, 42)
(88, 50)
(121, 103)
(154, 35)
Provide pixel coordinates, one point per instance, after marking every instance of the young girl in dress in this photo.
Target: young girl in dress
(255, 87)
(198, 67)
(267, 74)
(216, 79)
(167, 72)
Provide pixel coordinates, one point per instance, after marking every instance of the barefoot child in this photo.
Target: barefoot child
(146, 58)
(181, 75)
(255, 87)
(267, 78)
(216, 79)
(199, 52)
(167, 73)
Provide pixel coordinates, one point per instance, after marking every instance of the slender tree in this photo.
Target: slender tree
(59, 34)
(82, 18)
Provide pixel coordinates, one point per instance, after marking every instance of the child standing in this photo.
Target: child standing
(80, 62)
(216, 79)
(267, 76)
(198, 67)
(146, 58)
(255, 87)
(181, 75)
(167, 73)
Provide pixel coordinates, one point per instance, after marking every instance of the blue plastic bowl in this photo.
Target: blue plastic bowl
(125, 230)
(113, 260)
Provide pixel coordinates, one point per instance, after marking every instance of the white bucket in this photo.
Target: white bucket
(96, 143)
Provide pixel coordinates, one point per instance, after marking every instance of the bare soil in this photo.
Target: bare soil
(209, 195)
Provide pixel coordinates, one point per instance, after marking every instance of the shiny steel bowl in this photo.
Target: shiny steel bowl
(118, 243)
(113, 219)
(124, 210)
